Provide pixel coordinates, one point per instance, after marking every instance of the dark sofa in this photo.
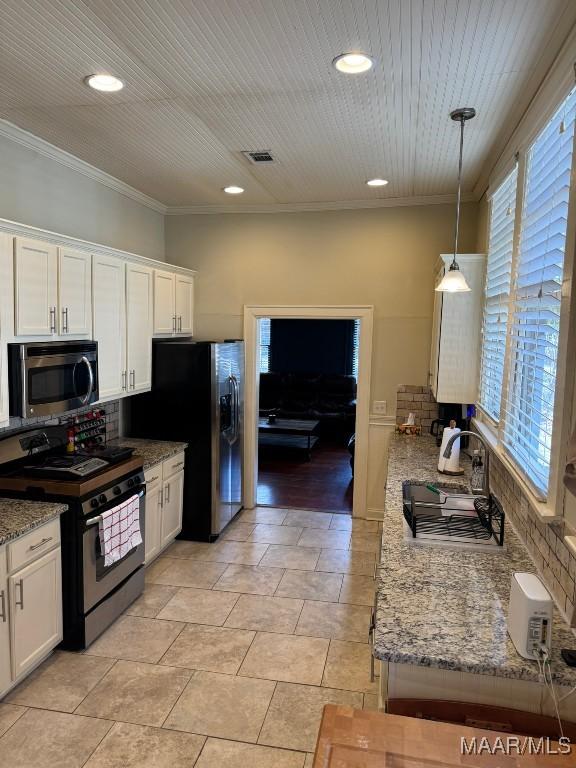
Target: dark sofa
(331, 399)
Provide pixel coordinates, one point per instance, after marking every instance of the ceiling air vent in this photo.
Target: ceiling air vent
(259, 156)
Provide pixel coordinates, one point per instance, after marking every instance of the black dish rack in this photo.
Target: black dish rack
(428, 515)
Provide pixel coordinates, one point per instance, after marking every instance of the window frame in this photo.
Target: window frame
(551, 506)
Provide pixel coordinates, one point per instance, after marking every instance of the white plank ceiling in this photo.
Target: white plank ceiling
(206, 79)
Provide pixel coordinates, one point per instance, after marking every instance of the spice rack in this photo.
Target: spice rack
(89, 429)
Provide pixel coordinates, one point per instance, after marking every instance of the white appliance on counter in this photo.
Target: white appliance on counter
(529, 615)
(450, 465)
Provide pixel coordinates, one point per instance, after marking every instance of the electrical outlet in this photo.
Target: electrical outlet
(379, 407)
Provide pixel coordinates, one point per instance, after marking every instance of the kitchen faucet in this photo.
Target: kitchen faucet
(448, 452)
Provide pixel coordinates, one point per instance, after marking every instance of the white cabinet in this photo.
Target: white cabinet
(173, 495)
(184, 299)
(153, 518)
(35, 287)
(164, 504)
(36, 611)
(74, 292)
(139, 319)
(455, 349)
(173, 303)
(5, 671)
(109, 322)
(30, 601)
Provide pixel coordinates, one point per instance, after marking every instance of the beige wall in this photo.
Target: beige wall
(40, 192)
(383, 257)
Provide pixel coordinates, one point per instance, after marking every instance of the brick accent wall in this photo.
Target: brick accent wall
(544, 541)
(417, 400)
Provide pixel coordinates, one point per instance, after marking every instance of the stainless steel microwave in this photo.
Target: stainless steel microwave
(47, 378)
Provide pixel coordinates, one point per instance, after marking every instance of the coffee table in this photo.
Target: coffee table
(296, 428)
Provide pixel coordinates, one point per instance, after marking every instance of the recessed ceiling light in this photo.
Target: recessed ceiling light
(107, 83)
(232, 190)
(377, 182)
(353, 63)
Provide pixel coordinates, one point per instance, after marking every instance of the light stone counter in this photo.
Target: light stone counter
(151, 451)
(18, 516)
(446, 607)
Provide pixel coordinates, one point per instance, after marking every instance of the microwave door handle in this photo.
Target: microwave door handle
(88, 395)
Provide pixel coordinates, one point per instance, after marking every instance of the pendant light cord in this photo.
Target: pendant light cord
(458, 196)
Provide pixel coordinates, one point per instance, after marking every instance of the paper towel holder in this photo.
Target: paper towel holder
(449, 463)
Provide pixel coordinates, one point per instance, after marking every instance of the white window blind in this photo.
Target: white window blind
(497, 295)
(265, 345)
(535, 319)
(355, 348)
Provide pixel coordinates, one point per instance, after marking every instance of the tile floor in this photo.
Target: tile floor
(227, 658)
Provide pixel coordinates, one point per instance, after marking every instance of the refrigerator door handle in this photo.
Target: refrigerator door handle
(236, 407)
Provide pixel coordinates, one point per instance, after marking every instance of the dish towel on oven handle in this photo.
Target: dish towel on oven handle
(119, 530)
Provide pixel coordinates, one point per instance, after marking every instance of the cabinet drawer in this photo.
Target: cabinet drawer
(173, 465)
(30, 546)
(153, 474)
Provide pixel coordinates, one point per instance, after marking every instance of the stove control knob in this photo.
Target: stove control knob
(102, 498)
(116, 490)
(130, 482)
(94, 503)
(138, 479)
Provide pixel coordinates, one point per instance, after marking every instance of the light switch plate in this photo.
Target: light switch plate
(379, 407)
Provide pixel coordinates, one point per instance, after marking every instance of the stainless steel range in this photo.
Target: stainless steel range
(94, 595)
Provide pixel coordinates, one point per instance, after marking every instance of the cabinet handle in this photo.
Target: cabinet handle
(167, 495)
(52, 319)
(174, 326)
(21, 585)
(40, 543)
(133, 379)
(180, 323)
(180, 464)
(124, 375)
(161, 497)
(65, 327)
(3, 615)
(153, 479)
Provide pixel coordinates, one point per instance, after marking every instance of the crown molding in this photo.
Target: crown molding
(30, 141)
(339, 205)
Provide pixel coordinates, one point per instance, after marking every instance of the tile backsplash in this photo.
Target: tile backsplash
(112, 420)
(417, 400)
(544, 541)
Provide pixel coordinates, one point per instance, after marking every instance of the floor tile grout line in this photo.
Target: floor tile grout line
(266, 713)
(114, 663)
(114, 722)
(25, 707)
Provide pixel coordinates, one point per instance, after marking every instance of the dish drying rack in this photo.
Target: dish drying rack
(445, 515)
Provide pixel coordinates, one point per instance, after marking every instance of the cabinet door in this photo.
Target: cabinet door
(35, 611)
(172, 507)
(184, 304)
(436, 326)
(5, 672)
(164, 312)
(139, 327)
(153, 524)
(109, 321)
(35, 287)
(74, 292)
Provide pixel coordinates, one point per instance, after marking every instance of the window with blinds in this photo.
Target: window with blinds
(497, 295)
(265, 345)
(355, 348)
(534, 323)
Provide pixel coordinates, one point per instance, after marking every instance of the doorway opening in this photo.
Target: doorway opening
(307, 406)
(307, 413)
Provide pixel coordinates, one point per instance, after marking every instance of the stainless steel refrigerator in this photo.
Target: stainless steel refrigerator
(197, 397)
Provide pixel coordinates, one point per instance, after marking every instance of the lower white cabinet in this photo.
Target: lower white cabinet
(173, 496)
(35, 611)
(164, 503)
(5, 671)
(30, 602)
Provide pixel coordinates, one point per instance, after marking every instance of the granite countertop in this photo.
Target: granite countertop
(446, 606)
(18, 516)
(152, 451)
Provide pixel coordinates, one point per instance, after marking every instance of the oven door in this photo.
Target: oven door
(57, 380)
(100, 580)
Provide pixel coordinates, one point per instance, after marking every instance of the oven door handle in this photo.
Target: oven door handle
(95, 520)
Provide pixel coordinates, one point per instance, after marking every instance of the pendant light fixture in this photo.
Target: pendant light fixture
(454, 281)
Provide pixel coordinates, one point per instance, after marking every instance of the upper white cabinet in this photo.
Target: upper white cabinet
(74, 292)
(173, 303)
(139, 318)
(109, 322)
(454, 353)
(35, 287)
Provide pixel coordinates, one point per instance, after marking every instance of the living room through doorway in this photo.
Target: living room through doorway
(307, 412)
